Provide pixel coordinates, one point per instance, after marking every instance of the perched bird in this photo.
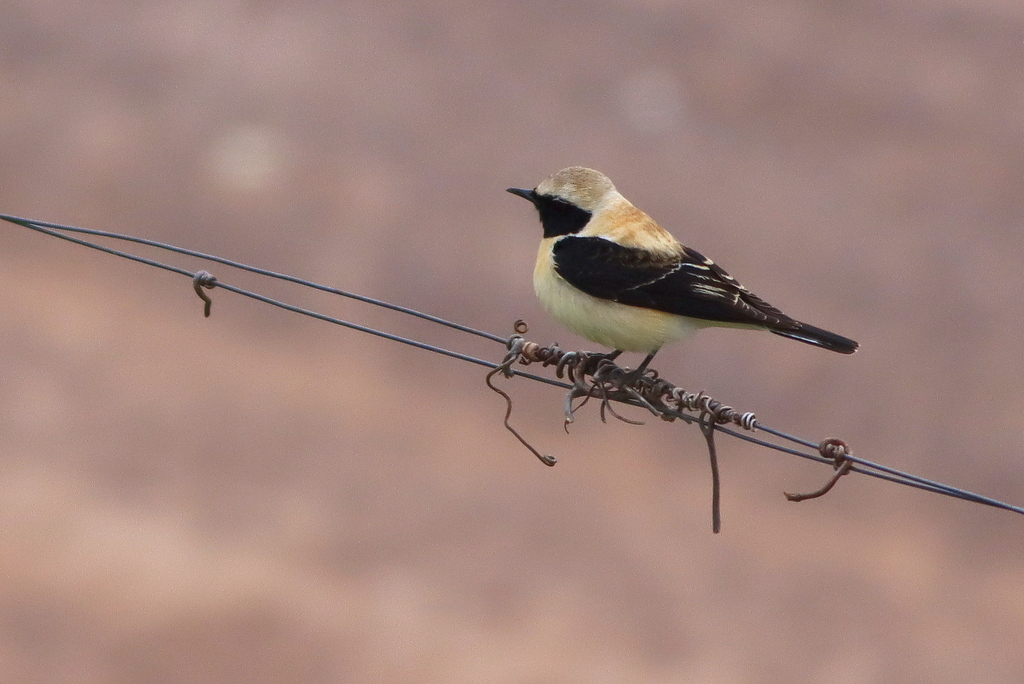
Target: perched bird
(611, 274)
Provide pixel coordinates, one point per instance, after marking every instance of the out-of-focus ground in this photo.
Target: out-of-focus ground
(259, 497)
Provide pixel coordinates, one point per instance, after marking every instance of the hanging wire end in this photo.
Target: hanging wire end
(204, 280)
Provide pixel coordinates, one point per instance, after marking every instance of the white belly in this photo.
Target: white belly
(618, 326)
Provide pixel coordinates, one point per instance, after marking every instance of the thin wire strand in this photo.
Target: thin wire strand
(862, 466)
(29, 223)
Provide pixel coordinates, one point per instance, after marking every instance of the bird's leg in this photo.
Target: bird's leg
(632, 376)
(643, 366)
(612, 382)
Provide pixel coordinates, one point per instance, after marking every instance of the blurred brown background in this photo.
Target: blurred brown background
(260, 497)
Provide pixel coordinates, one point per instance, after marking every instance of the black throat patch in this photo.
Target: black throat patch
(559, 217)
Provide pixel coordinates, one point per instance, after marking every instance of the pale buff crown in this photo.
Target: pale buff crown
(615, 217)
(586, 188)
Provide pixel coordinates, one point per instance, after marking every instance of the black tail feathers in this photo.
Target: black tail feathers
(819, 338)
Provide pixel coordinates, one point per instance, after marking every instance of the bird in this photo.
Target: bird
(608, 272)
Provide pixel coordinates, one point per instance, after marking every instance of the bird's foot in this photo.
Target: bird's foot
(597, 359)
(583, 363)
(631, 378)
(598, 376)
(621, 378)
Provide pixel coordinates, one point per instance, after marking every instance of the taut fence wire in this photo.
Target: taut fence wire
(583, 375)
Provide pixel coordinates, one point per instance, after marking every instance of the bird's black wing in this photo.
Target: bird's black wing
(687, 284)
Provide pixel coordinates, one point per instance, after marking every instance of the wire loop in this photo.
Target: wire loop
(201, 280)
(837, 451)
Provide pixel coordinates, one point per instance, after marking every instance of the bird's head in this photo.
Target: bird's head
(567, 200)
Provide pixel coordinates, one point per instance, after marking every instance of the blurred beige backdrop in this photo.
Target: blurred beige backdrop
(259, 497)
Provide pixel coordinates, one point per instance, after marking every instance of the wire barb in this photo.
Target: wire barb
(201, 280)
(598, 376)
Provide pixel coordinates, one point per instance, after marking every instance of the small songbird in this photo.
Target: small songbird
(611, 274)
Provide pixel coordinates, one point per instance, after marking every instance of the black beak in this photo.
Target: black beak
(525, 194)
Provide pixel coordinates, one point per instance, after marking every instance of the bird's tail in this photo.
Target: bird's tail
(819, 338)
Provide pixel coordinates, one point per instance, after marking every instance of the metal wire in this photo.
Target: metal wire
(36, 225)
(39, 227)
(746, 420)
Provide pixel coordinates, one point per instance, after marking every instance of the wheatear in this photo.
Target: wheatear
(610, 273)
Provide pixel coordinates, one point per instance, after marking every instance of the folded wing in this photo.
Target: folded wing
(685, 284)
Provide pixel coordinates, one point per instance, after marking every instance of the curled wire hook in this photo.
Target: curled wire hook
(836, 450)
(515, 352)
(204, 279)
